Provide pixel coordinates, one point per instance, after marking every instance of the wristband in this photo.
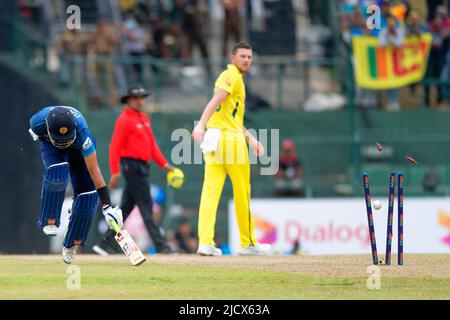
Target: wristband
(103, 194)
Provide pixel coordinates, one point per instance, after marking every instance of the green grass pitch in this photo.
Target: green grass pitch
(183, 277)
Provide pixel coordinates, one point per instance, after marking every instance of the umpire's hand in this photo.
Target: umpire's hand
(168, 168)
(114, 181)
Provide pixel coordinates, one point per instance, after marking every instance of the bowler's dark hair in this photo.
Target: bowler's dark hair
(241, 45)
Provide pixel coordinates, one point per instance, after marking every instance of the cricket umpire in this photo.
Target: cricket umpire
(133, 147)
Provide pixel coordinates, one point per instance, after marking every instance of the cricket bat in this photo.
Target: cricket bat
(129, 247)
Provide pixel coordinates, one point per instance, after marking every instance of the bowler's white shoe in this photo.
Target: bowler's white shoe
(50, 230)
(208, 250)
(261, 249)
(69, 254)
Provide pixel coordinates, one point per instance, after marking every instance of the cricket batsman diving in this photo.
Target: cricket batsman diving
(68, 149)
(224, 146)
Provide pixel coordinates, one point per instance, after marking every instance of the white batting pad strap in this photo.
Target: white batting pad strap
(59, 164)
(86, 193)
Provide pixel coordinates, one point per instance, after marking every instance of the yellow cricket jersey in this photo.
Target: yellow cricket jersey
(230, 159)
(230, 113)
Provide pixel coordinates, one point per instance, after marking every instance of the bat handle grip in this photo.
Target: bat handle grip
(115, 226)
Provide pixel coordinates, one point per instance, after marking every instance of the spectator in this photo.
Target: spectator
(358, 22)
(430, 181)
(231, 23)
(355, 24)
(105, 42)
(399, 9)
(296, 247)
(184, 238)
(440, 29)
(432, 7)
(157, 27)
(126, 5)
(288, 180)
(345, 10)
(223, 245)
(385, 12)
(173, 41)
(392, 35)
(158, 198)
(72, 43)
(415, 28)
(419, 6)
(194, 29)
(134, 45)
(445, 76)
(316, 10)
(414, 25)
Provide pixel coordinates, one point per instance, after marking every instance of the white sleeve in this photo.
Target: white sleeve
(400, 38)
(382, 38)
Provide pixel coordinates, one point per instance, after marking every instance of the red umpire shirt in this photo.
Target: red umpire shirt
(133, 138)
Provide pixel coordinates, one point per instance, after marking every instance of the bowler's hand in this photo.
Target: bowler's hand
(198, 133)
(257, 147)
(114, 181)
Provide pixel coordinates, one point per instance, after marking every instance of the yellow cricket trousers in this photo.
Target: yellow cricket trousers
(230, 158)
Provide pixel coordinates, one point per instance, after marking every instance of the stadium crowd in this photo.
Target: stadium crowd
(181, 29)
(174, 29)
(400, 19)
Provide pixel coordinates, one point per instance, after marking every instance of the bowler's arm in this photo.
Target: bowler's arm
(219, 96)
(257, 146)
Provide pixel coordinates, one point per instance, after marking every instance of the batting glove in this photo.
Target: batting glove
(113, 214)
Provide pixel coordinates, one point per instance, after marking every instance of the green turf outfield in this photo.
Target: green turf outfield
(228, 277)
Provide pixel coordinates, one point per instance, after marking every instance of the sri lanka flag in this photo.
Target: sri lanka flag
(380, 68)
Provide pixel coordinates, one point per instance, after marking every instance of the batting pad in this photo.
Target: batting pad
(83, 209)
(56, 178)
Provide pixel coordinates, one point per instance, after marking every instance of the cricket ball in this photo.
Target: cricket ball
(377, 205)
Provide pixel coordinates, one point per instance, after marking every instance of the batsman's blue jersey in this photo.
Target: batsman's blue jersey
(84, 142)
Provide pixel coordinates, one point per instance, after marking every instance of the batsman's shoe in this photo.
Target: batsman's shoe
(261, 249)
(50, 230)
(69, 254)
(208, 250)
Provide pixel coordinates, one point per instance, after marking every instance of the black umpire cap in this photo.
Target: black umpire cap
(61, 127)
(135, 91)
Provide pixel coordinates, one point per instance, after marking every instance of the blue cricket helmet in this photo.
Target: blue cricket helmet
(61, 127)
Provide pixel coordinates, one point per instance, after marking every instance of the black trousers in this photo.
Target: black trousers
(137, 192)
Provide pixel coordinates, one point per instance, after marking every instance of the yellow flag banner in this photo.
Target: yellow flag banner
(380, 68)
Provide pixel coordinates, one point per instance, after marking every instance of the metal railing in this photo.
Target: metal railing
(275, 83)
(97, 81)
